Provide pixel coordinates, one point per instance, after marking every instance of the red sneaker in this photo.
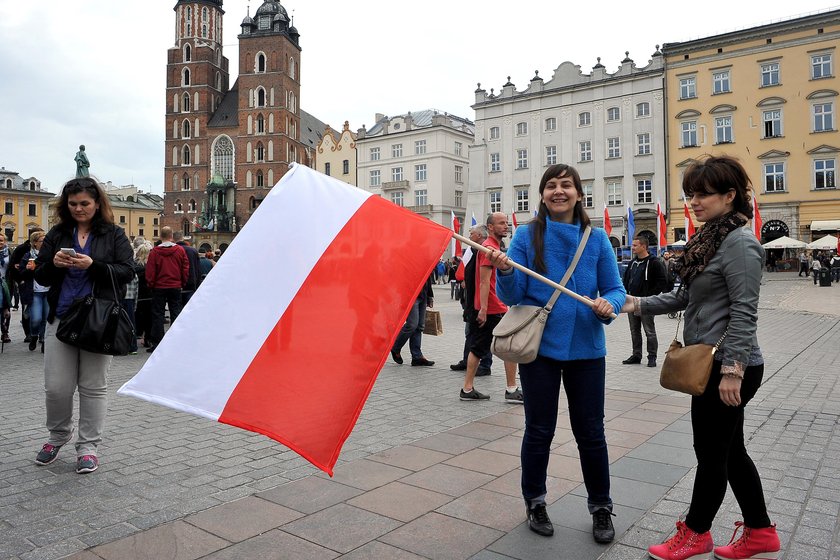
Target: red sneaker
(685, 545)
(754, 543)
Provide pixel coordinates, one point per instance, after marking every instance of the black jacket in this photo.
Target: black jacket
(109, 245)
(194, 278)
(645, 277)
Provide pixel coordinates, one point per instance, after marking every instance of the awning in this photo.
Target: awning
(825, 225)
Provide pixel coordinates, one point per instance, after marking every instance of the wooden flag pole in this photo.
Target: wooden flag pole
(583, 299)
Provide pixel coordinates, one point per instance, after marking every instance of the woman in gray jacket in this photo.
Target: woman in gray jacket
(721, 274)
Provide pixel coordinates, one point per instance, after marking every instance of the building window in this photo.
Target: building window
(185, 156)
(585, 118)
(191, 206)
(398, 198)
(495, 163)
(140, 232)
(420, 172)
(588, 199)
(522, 200)
(458, 148)
(345, 167)
(375, 178)
(260, 153)
(260, 97)
(688, 87)
(550, 124)
(644, 191)
(614, 194)
(522, 159)
(179, 208)
(185, 182)
(770, 74)
(688, 134)
(613, 147)
(613, 114)
(772, 123)
(185, 105)
(720, 82)
(223, 157)
(643, 143)
(723, 130)
(495, 133)
(187, 53)
(186, 129)
(642, 109)
(8, 183)
(824, 174)
(261, 63)
(31, 185)
(141, 220)
(327, 169)
(421, 197)
(260, 124)
(585, 150)
(550, 155)
(396, 150)
(521, 129)
(374, 154)
(774, 177)
(823, 117)
(419, 147)
(10, 209)
(396, 174)
(820, 66)
(495, 201)
(459, 173)
(32, 209)
(459, 198)
(260, 179)
(185, 77)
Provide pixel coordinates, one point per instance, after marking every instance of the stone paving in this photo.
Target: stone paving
(424, 475)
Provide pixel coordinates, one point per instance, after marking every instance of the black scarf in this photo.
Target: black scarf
(702, 247)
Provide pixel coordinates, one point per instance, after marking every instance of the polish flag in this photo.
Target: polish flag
(607, 223)
(689, 225)
(515, 223)
(288, 334)
(661, 228)
(756, 222)
(456, 227)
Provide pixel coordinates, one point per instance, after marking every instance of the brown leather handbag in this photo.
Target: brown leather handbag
(687, 368)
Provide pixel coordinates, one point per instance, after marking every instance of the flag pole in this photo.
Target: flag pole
(531, 273)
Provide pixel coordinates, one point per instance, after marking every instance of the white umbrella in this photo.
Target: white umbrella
(680, 243)
(785, 242)
(826, 243)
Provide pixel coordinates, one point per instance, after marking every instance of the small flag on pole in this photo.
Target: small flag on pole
(689, 225)
(660, 226)
(756, 222)
(515, 223)
(607, 223)
(456, 227)
(474, 222)
(631, 225)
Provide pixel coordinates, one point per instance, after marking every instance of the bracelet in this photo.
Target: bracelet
(735, 371)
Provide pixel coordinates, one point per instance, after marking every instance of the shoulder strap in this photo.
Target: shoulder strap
(571, 269)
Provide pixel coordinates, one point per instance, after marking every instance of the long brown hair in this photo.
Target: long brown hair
(538, 224)
(104, 215)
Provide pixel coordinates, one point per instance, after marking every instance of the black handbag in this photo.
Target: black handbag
(97, 324)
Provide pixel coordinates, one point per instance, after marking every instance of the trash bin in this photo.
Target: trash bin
(825, 276)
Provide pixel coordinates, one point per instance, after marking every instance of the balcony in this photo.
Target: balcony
(394, 185)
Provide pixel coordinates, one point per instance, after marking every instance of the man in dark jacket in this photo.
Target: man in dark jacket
(412, 331)
(645, 276)
(195, 268)
(167, 271)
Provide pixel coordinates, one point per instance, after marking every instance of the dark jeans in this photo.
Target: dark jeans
(721, 455)
(803, 267)
(636, 325)
(128, 305)
(584, 382)
(412, 330)
(161, 297)
(835, 274)
(487, 359)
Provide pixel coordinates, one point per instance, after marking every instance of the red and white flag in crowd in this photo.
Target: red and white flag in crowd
(607, 223)
(661, 228)
(689, 225)
(287, 334)
(756, 221)
(515, 223)
(456, 227)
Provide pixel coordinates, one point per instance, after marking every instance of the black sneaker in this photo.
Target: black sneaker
(514, 397)
(474, 395)
(87, 464)
(651, 362)
(460, 366)
(632, 360)
(33, 342)
(47, 454)
(538, 520)
(602, 526)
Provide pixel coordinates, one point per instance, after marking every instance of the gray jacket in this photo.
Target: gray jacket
(725, 293)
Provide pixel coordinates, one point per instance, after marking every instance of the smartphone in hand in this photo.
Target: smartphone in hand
(69, 251)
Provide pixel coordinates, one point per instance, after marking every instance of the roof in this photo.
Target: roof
(19, 183)
(421, 119)
(228, 112)
(311, 130)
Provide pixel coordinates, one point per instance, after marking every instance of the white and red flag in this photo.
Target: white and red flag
(689, 225)
(661, 228)
(607, 222)
(456, 227)
(515, 223)
(288, 334)
(756, 221)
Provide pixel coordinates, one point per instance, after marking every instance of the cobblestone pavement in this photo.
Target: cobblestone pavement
(423, 475)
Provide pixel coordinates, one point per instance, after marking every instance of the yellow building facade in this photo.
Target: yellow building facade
(336, 154)
(23, 206)
(768, 96)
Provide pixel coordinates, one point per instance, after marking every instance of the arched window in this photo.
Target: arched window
(178, 207)
(8, 183)
(187, 227)
(187, 53)
(186, 182)
(185, 155)
(292, 67)
(260, 124)
(260, 62)
(260, 152)
(185, 77)
(223, 157)
(185, 132)
(175, 183)
(185, 104)
(219, 81)
(204, 31)
(31, 185)
(204, 15)
(260, 97)
(252, 204)
(260, 181)
(191, 205)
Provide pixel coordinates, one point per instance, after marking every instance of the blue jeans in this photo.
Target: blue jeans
(38, 311)
(584, 381)
(412, 330)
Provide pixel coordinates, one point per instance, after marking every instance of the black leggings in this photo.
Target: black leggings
(721, 455)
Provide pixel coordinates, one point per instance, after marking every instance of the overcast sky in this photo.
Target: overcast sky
(93, 71)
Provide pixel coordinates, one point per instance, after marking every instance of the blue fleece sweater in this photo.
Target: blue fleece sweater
(573, 331)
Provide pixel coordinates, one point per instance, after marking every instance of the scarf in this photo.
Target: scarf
(704, 244)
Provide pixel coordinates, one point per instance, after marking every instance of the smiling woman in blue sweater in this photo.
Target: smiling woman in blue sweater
(573, 346)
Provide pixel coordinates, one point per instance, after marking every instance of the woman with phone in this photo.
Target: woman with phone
(74, 261)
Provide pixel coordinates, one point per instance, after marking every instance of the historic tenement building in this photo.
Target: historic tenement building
(24, 206)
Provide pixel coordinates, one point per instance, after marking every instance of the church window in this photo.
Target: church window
(292, 68)
(185, 156)
(260, 181)
(260, 62)
(260, 152)
(191, 205)
(187, 53)
(186, 182)
(185, 77)
(204, 31)
(185, 106)
(223, 157)
(260, 97)
(204, 14)
(186, 131)
(219, 81)
(260, 124)
(265, 22)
